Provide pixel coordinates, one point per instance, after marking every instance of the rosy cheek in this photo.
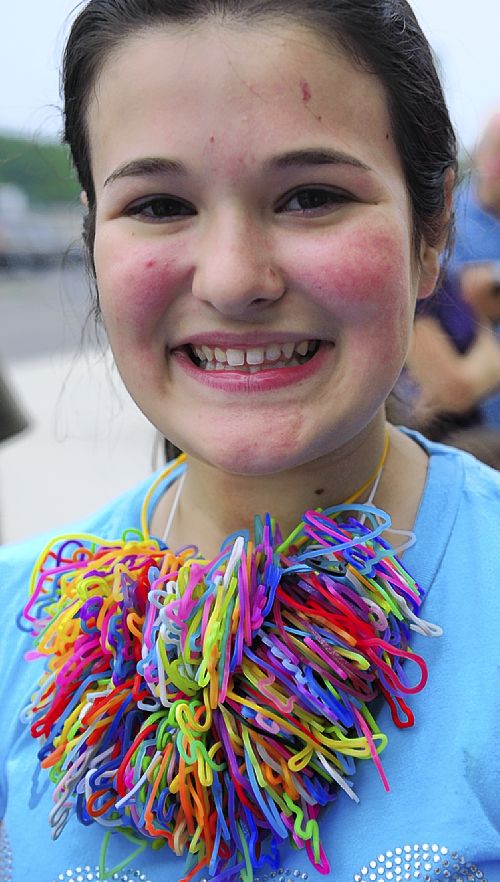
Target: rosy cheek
(363, 273)
(138, 290)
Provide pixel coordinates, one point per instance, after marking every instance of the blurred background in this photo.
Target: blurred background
(71, 438)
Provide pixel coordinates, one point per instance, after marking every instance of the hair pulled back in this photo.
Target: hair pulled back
(382, 36)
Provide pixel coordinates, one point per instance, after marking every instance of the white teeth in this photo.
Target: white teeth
(208, 353)
(277, 354)
(235, 357)
(255, 356)
(273, 352)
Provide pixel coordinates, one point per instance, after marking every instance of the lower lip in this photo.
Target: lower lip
(263, 381)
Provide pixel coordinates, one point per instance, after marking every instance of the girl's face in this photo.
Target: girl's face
(253, 244)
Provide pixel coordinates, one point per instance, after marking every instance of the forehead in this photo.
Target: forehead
(238, 87)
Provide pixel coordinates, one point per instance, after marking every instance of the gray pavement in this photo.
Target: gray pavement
(44, 312)
(87, 441)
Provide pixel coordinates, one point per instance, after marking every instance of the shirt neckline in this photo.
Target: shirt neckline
(437, 511)
(436, 514)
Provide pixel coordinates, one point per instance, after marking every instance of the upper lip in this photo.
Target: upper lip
(224, 340)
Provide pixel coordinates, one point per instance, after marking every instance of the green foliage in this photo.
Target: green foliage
(42, 169)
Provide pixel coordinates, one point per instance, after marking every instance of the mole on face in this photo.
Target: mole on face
(319, 491)
(306, 91)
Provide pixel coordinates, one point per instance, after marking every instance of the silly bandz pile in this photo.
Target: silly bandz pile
(216, 706)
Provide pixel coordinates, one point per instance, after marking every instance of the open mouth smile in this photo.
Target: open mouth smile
(254, 359)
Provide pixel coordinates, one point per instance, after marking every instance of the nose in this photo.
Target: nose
(236, 271)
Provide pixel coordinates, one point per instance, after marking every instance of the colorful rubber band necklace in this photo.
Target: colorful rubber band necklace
(216, 706)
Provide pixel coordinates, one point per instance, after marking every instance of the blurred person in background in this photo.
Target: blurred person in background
(476, 252)
(453, 368)
(453, 365)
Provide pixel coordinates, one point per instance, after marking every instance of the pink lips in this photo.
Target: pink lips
(239, 381)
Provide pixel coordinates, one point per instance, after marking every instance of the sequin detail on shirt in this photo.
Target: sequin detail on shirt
(91, 874)
(424, 863)
(284, 874)
(5, 856)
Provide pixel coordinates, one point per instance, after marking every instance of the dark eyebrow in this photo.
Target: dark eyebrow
(149, 166)
(309, 156)
(314, 156)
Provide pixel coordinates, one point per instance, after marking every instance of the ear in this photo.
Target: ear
(429, 270)
(430, 265)
(84, 199)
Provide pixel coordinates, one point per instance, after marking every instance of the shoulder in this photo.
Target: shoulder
(461, 503)
(458, 483)
(124, 512)
(477, 478)
(17, 562)
(470, 474)
(457, 525)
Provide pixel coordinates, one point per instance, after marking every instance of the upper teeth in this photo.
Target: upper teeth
(254, 355)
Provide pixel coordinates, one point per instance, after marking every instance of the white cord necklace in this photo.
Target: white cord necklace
(175, 505)
(180, 484)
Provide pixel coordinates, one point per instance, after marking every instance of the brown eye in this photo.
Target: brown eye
(160, 208)
(314, 199)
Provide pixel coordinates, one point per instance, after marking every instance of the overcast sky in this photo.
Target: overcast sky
(464, 33)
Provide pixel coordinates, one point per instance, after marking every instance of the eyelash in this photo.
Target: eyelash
(173, 209)
(139, 209)
(331, 199)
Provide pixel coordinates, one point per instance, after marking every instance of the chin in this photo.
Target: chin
(250, 461)
(244, 443)
(248, 458)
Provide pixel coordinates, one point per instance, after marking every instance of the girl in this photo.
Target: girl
(268, 187)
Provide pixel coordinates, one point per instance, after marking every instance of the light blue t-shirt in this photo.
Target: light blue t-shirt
(441, 819)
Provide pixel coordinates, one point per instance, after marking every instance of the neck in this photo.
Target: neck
(214, 503)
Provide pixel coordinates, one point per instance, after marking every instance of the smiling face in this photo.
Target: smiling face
(253, 247)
